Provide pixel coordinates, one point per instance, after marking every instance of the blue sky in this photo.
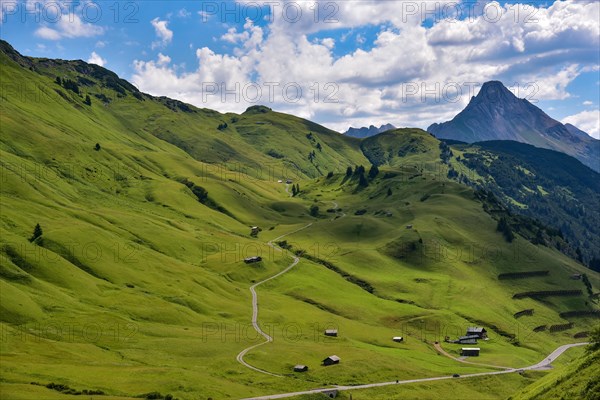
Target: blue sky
(355, 63)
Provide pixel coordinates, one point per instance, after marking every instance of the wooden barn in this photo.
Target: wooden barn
(481, 333)
(469, 339)
(331, 332)
(469, 351)
(251, 260)
(331, 360)
(300, 368)
(398, 339)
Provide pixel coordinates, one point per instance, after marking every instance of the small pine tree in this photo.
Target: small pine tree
(297, 188)
(588, 284)
(373, 172)
(349, 172)
(294, 192)
(319, 147)
(58, 81)
(37, 232)
(389, 192)
(504, 227)
(97, 147)
(362, 181)
(594, 340)
(539, 238)
(595, 264)
(70, 85)
(359, 170)
(501, 225)
(509, 235)
(88, 100)
(314, 210)
(330, 174)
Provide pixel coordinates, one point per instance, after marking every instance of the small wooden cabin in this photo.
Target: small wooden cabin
(469, 351)
(331, 360)
(481, 333)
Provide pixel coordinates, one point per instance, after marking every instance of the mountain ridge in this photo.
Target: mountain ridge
(365, 132)
(497, 114)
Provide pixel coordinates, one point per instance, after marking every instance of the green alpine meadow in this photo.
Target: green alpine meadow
(135, 282)
(158, 248)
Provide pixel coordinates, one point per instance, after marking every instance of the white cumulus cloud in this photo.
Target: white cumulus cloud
(69, 26)
(163, 33)
(96, 59)
(542, 54)
(163, 59)
(587, 121)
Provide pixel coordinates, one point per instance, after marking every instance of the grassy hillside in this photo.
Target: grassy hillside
(549, 186)
(401, 147)
(137, 283)
(577, 380)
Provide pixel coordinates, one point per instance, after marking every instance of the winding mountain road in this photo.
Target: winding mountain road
(443, 352)
(335, 207)
(544, 364)
(268, 338)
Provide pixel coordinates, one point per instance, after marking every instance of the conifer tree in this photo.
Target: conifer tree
(37, 232)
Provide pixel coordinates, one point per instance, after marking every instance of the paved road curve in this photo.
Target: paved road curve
(439, 348)
(339, 214)
(544, 364)
(268, 338)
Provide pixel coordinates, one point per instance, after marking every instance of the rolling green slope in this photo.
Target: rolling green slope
(255, 141)
(577, 380)
(400, 147)
(551, 187)
(137, 283)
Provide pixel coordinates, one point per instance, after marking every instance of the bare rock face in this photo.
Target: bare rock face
(497, 114)
(365, 132)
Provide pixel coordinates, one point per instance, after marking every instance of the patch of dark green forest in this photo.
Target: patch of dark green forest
(560, 193)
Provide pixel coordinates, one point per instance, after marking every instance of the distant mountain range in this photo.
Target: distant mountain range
(497, 114)
(368, 132)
